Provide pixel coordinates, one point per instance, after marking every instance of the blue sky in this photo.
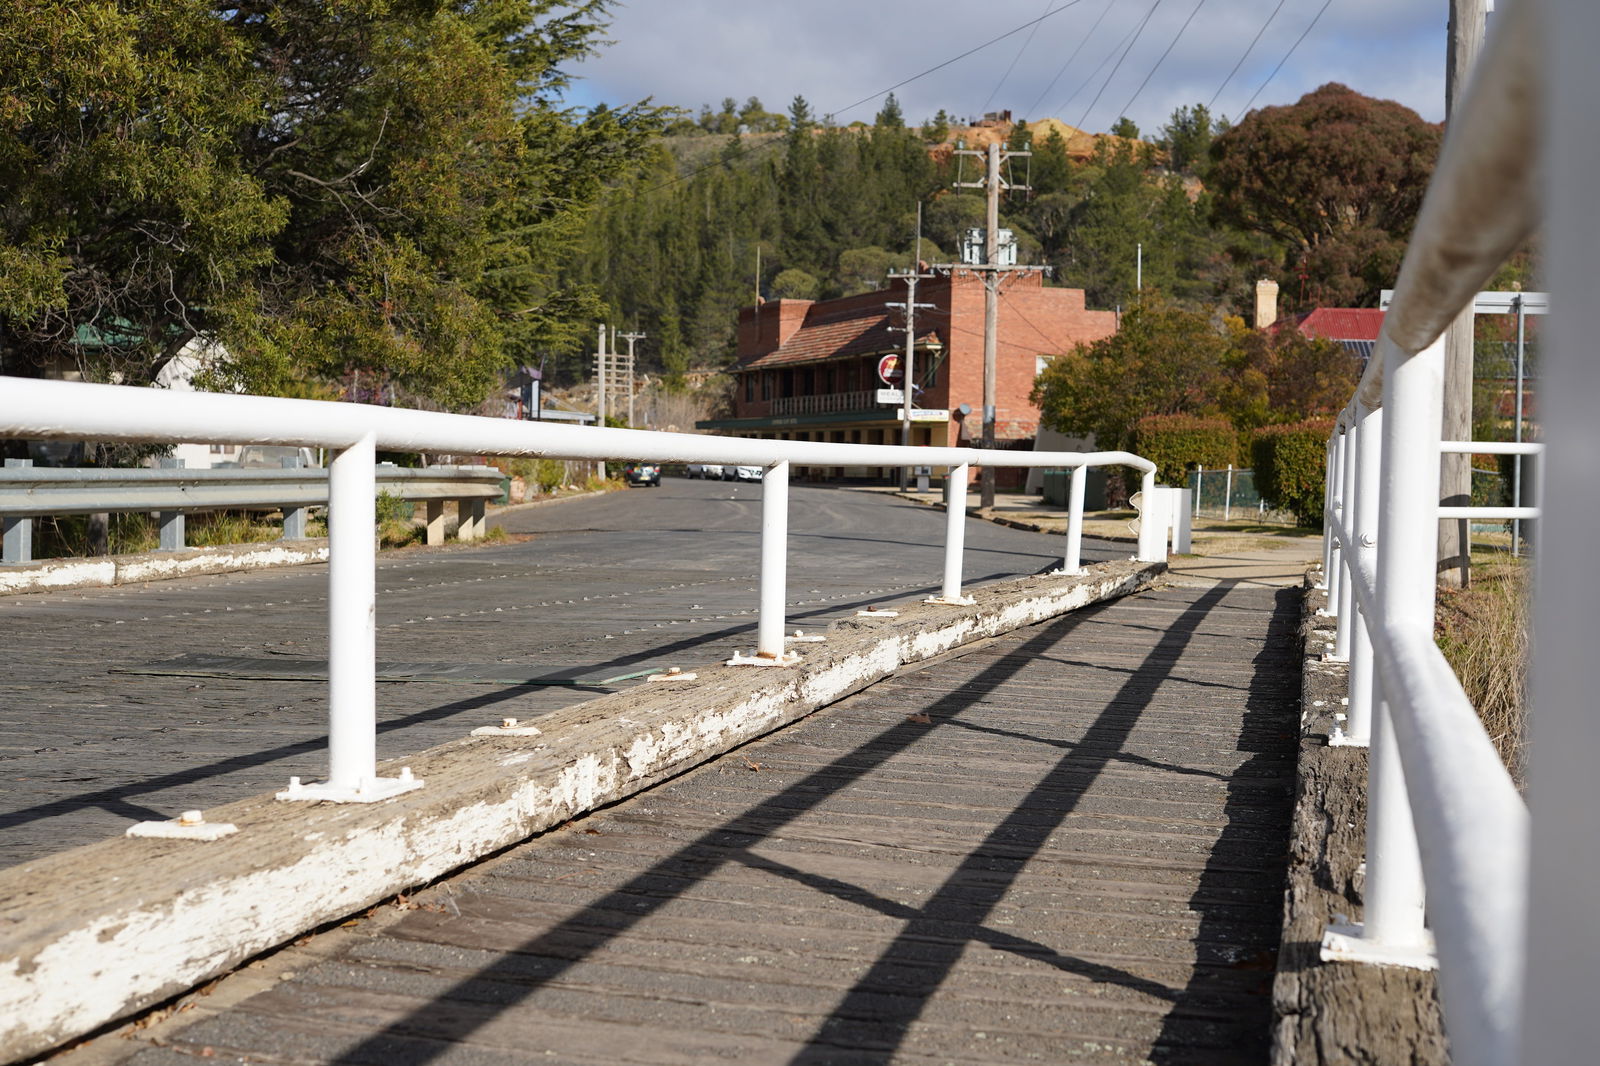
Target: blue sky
(838, 52)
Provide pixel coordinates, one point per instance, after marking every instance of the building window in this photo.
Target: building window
(749, 387)
(766, 384)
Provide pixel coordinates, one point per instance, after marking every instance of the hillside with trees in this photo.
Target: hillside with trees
(742, 201)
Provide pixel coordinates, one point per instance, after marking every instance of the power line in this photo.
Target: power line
(956, 59)
(1129, 105)
(1286, 56)
(1137, 34)
(1063, 69)
(1087, 81)
(1015, 60)
(1256, 40)
(743, 152)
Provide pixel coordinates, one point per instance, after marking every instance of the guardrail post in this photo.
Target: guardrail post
(352, 637)
(435, 526)
(1072, 563)
(170, 523)
(1182, 527)
(774, 560)
(16, 545)
(1152, 521)
(294, 518)
(1363, 525)
(470, 521)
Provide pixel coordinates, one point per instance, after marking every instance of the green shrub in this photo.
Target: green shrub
(1290, 461)
(1179, 443)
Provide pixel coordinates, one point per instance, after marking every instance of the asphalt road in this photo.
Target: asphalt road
(601, 587)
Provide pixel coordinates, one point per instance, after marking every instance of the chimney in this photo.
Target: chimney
(1266, 303)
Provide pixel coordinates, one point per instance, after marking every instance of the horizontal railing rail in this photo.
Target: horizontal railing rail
(53, 410)
(1448, 863)
(827, 403)
(28, 492)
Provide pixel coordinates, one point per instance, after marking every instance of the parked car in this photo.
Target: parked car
(745, 473)
(642, 474)
(705, 470)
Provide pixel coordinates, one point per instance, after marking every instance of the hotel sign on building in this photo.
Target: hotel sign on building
(809, 370)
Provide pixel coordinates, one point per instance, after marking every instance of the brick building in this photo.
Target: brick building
(808, 370)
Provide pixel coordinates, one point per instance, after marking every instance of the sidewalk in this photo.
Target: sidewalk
(1234, 551)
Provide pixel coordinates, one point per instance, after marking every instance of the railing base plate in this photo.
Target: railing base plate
(788, 658)
(950, 601)
(373, 791)
(1342, 942)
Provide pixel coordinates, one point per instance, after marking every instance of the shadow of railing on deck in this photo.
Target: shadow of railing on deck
(427, 1033)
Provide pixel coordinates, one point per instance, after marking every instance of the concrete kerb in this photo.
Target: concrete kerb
(61, 575)
(101, 932)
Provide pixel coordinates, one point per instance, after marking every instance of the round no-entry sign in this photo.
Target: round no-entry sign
(889, 369)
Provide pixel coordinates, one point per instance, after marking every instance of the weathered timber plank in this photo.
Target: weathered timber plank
(159, 916)
(1338, 1014)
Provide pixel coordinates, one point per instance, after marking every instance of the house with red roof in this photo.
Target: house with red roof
(1356, 328)
(809, 370)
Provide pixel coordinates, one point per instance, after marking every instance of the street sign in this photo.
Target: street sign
(894, 396)
(929, 414)
(889, 369)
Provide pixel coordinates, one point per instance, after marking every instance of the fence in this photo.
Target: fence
(1231, 495)
(1448, 837)
(62, 410)
(171, 492)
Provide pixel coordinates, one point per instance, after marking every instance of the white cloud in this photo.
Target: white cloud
(837, 52)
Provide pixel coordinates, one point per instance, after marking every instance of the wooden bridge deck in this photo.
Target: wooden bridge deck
(1066, 845)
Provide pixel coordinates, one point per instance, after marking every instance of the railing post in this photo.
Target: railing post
(1363, 523)
(774, 560)
(955, 534)
(1327, 517)
(352, 636)
(1227, 496)
(1072, 563)
(1354, 442)
(1335, 571)
(1153, 521)
(1408, 521)
(170, 523)
(294, 518)
(1199, 486)
(16, 545)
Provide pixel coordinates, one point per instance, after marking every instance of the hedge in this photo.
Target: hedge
(1289, 462)
(1179, 443)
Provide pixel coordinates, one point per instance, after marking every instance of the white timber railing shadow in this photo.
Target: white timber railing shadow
(1458, 874)
(45, 410)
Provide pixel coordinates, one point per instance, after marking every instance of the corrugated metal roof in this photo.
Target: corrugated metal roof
(1343, 323)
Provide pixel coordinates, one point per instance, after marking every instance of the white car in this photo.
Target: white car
(746, 473)
(705, 470)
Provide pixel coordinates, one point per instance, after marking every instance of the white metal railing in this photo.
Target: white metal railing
(64, 410)
(1448, 837)
(28, 492)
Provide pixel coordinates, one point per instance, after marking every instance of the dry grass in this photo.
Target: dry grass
(1483, 632)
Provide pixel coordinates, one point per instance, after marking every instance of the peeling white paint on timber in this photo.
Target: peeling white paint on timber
(59, 575)
(82, 944)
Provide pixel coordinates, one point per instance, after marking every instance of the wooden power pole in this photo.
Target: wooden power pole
(1467, 24)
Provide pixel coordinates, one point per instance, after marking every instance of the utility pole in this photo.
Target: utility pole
(600, 379)
(907, 376)
(993, 273)
(630, 338)
(1467, 25)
